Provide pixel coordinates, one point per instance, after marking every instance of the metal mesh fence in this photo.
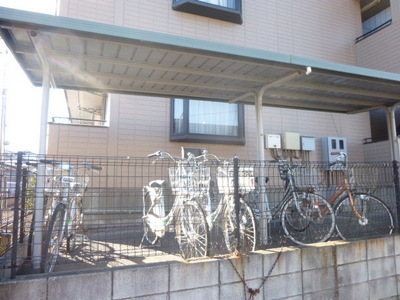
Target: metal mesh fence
(123, 210)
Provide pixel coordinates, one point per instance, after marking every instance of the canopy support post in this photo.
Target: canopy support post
(263, 195)
(392, 132)
(41, 168)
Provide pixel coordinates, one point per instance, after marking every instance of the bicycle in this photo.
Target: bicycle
(358, 215)
(225, 211)
(63, 214)
(305, 216)
(191, 228)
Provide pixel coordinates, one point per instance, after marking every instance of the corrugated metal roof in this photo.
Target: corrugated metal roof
(96, 57)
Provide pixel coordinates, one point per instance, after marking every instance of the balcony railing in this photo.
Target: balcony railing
(78, 121)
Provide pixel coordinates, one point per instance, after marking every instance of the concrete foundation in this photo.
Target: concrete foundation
(334, 270)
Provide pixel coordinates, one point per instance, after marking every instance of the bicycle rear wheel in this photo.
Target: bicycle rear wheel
(377, 219)
(53, 239)
(312, 222)
(247, 227)
(192, 232)
(74, 223)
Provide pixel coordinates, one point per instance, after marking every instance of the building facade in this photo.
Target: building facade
(360, 33)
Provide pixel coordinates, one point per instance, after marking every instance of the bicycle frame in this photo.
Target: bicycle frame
(290, 190)
(159, 222)
(344, 185)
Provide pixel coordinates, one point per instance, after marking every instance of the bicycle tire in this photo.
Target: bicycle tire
(48, 211)
(149, 233)
(192, 233)
(378, 220)
(315, 223)
(247, 228)
(74, 223)
(53, 239)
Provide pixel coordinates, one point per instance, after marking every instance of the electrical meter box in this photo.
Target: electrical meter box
(291, 141)
(333, 144)
(273, 141)
(307, 143)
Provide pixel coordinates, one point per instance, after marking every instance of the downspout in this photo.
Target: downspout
(41, 169)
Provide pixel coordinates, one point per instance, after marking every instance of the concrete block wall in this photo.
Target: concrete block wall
(334, 270)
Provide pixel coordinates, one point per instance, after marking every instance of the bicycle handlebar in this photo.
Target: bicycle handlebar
(92, 167)
(50, 161)
(161, 154)
(157, 153)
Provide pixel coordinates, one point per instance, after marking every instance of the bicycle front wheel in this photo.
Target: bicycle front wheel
(74, 223)
(192, 232)
(376, 218)
(247, 228)
(312, 220)
(150, 221)
(53, 239)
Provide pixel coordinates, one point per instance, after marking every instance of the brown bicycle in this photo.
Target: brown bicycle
(358, 215)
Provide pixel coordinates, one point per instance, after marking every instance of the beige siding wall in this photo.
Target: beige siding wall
(140, 125)
(78, 140)
(377, 151)
(380, 50)
(320, 29)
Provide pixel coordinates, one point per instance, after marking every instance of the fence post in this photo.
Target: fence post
(23, 204)
(237, 199)
(396, 178)
(14, 251)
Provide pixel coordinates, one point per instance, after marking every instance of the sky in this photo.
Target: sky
(23, 99)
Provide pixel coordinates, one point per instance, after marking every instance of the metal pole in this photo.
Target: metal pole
(389, 123)
(23, 204)
(396, 177)
(261, 157)
(14, 252)
(41, 171)
(264, 203)
(393, 133)
(237, 201)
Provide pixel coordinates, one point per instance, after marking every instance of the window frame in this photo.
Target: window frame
(186, 136)
(233, 15)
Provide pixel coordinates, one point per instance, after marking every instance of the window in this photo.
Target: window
(375, 15)
(225, 10)
(205, 121)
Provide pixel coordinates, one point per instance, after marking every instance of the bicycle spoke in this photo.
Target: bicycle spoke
(376, 218)
(192, 231)
(311, 221)
(247, 228)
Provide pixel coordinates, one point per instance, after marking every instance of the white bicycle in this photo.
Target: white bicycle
(239, 226)
(191, 228)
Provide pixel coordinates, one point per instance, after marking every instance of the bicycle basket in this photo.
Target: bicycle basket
(189, 179)
(306, 176)
(225, 180)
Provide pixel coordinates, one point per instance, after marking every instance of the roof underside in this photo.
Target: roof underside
(103, 58)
